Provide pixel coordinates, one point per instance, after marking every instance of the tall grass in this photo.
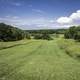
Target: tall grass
(71, 47)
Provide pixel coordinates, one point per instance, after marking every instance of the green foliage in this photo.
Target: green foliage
(46, 36)
(71, 47)
(47, 31)
(43, 36)
(77, 36)
(38, 36)
(10, 33)
(73, 33)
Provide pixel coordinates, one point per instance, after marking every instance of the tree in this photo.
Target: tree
(10, 33)
(77, 36)
(73, 33)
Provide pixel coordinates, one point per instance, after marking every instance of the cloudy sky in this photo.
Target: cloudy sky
(40, 14)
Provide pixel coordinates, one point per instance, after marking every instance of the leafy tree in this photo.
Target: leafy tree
(77, 36)
(10, 33)
(73, 33)
(43, 36)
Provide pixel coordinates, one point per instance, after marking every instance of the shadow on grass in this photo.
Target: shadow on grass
(14, 46)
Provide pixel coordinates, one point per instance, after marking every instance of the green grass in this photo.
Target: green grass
(38, 60)
(4, 45)
(71, 47)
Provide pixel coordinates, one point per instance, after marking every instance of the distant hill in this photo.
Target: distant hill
(48, 31)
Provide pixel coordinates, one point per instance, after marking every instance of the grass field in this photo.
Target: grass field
(39, 60)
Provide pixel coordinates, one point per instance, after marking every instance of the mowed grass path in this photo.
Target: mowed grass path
(38, 60)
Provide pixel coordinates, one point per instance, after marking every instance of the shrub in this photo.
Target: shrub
(73, 33)
(43, 36)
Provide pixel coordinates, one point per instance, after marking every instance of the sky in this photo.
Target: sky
(40, 14)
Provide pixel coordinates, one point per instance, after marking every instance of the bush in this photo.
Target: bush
(28, 36)
(43, 36)
(77, 36)
(73, 33)
(38, 36)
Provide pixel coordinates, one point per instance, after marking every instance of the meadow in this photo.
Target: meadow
(57, 59)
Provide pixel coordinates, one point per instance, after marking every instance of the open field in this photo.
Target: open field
(39, 60)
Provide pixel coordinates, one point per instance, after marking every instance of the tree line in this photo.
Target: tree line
(45, 34)
(47, 31)
(73, 33)
(10, 33)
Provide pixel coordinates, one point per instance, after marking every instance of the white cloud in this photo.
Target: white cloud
(74, 18)
(7, 16)
(78, 11)
(30, 5)
(52, 21)
(15, 17)
(17, 4)
(38, 11)
(42, 22)
(10, 20)
(36, 23)
(64, 20)
(11, 17)
(23, 23)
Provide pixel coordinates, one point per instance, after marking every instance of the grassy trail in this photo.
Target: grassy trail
(38, 60)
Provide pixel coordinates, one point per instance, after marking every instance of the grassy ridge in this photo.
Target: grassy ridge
(38, 60)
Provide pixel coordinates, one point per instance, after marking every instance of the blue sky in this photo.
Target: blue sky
(40, 14)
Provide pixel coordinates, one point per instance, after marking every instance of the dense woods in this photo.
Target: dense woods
(73, 33)
(9, 33)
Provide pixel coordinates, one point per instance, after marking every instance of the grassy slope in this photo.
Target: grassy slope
(38, 60)
(71, 47)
